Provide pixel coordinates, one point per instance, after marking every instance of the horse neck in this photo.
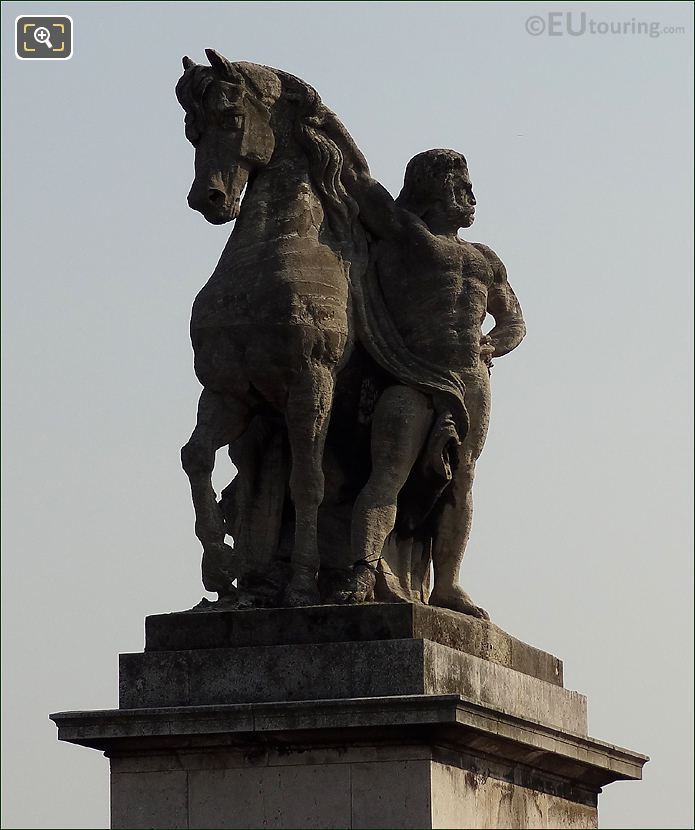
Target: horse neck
(278, 197)
(289, 167)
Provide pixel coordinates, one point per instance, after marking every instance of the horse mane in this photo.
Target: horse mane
(313, 126)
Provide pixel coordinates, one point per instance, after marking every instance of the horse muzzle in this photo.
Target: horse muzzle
(215, 205)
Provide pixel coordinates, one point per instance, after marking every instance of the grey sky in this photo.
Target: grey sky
(579, 150)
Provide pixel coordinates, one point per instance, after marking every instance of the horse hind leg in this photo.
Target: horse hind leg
(221, 420)
(307, 416)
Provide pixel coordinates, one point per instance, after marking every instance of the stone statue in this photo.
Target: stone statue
(270, 328)
(438, 289)
(340, 350)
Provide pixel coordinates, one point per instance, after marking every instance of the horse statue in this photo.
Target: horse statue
(278, 321)
(270, 329)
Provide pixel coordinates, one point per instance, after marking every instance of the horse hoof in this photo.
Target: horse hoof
(357, 587)
(299, 599)
(301, 594)
(220, 567)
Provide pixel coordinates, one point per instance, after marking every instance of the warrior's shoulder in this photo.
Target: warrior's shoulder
(487, 252)
(492, 258)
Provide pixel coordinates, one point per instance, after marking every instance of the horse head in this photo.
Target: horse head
(228, 114)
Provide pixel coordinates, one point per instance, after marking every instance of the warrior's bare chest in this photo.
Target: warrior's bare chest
(445, 269)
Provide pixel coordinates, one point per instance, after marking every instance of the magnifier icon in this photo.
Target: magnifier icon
(42, 35)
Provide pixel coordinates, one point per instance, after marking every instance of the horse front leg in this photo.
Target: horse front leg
(307, 415)
(221, 420)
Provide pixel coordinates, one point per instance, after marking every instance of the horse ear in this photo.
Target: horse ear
(187, 62)
(220, 63)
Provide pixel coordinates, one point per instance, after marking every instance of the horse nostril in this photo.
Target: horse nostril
(215, 196)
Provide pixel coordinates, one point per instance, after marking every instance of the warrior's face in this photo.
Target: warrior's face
(457, 199)
(437, 188)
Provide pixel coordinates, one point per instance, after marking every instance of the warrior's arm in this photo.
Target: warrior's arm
(378, 210)
(503, 305)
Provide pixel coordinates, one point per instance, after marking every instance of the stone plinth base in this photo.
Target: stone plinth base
(394, 716)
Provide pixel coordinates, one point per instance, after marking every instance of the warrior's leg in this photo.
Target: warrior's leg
(402, 419)
(221, 420)
(453, 526)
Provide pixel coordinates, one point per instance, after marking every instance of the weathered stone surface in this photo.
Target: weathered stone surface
(462, 798)
(340, 347)
(418, 761)
(306, 795)
(153, 799)
(350, 623)
(391, 794)
(446, 720)
(372, 668)
(339, 793)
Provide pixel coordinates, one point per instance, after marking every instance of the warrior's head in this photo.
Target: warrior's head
(437, 186)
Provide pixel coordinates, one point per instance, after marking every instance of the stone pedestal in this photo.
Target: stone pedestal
(368, 716)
